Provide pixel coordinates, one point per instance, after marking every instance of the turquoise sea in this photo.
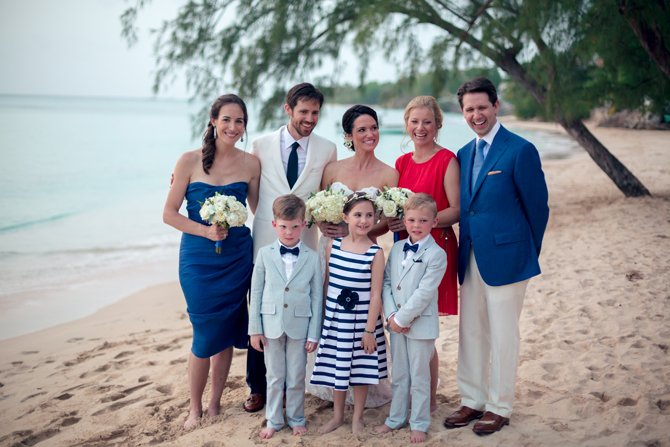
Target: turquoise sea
(82, 187)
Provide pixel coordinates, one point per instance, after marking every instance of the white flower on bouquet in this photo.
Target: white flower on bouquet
(389, 208)
(324, 206)
(223, 211)
(392, 201)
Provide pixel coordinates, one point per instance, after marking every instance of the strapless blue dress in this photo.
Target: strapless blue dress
(216, 285)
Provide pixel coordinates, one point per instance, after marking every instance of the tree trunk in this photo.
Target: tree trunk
(649, 36)
(615, 170)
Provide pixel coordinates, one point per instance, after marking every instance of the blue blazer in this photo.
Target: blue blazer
(504, 216)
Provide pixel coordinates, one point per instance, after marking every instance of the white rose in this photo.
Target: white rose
(389, 209)
(220, 216)
(233, 220)
(204, 213)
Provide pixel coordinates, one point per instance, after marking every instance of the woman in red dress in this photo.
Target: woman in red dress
(434, 170)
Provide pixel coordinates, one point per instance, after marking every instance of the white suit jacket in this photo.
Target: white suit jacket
(290, 306)
(411, 291)
(273, 183)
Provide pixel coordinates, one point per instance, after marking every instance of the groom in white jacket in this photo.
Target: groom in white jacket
(292, 162)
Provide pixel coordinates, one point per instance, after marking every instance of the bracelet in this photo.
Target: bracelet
(369, 332)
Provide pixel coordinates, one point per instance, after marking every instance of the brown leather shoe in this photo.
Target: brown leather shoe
(490, 423)
(255, 402)
(462, 417)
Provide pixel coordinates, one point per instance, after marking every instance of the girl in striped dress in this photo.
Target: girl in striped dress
(352, 351)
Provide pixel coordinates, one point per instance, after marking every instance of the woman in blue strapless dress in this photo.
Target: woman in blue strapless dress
(215, 285)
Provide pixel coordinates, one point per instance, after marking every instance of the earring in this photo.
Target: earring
(242, 139)
(215, 133)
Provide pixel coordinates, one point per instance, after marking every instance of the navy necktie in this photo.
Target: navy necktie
(479, 161)
(294, 251)
(292, 167)
(414, 247)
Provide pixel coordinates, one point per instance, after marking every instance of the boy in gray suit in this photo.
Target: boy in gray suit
(285, 313)
(413, 272)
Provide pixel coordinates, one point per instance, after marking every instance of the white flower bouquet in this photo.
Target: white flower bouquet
(223, 211)
(392, 201)
(324, 206)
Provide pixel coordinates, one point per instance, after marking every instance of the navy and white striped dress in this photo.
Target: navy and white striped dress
(341, 361)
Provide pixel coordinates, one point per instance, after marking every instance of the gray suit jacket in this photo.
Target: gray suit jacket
(292, 306)
(411, 291)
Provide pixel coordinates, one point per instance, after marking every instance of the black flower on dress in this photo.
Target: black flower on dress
(347, 299)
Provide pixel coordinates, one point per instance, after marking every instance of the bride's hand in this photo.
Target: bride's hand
(395, 224)
(333, 231)
(216, 233)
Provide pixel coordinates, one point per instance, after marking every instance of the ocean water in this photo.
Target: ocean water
(83, 182)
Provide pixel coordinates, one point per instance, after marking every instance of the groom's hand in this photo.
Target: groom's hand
(333, 231)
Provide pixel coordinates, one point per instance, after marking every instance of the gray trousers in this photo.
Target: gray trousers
(411, 372)
(286, 361)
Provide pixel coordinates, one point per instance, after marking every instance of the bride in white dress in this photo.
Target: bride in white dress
(362, 172)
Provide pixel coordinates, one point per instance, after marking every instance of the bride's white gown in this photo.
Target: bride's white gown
(378, 395)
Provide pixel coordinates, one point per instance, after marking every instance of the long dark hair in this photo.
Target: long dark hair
(350, 116)
(208, 140)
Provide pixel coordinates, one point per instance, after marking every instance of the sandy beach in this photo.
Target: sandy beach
(594, 367)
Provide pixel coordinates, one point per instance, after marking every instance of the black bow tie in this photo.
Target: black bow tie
(414, 247)
(294, 251)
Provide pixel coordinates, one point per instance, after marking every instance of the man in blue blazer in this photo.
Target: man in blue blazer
(504, 213)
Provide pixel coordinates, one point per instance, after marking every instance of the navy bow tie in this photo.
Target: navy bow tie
(414, 247)
(294, 251)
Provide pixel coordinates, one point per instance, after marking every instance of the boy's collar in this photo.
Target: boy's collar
(420, 242)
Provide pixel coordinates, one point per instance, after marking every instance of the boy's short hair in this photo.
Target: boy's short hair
(421, 200)
(288, 207)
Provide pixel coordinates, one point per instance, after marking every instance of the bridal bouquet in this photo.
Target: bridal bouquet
(223, 211)
(392, 201)
(325, 206)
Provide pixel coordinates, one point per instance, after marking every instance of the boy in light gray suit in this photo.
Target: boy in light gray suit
(285, 313)
(414, 270)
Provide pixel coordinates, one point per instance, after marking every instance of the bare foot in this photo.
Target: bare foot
(330, 426)
(381, 429)
(192, 419)
(299, 430)
(433, 406)
(213, 410)
(358, 427)
(267, 433)
(417, 436)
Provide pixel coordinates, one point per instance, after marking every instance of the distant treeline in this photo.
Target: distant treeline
(442, 86)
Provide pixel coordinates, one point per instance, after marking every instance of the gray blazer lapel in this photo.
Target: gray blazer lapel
(302, 258)
(417, 256)
(276, 258)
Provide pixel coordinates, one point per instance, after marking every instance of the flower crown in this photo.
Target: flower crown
(360, 195)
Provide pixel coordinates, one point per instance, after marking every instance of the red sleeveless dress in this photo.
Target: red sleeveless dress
(428, 177)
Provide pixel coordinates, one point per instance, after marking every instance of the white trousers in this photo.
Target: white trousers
(285, 361)
(488, 342)
(411, 371)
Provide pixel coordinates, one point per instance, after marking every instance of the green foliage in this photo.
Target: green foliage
(568, 55)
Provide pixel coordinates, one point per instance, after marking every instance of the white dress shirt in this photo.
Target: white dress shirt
(489, 138)
(289, 261)
(287, 141)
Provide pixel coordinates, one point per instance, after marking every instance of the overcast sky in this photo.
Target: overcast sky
(74, 47)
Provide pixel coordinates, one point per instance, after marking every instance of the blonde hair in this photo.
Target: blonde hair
(421, 200)
(288, 207)
(430, 103)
